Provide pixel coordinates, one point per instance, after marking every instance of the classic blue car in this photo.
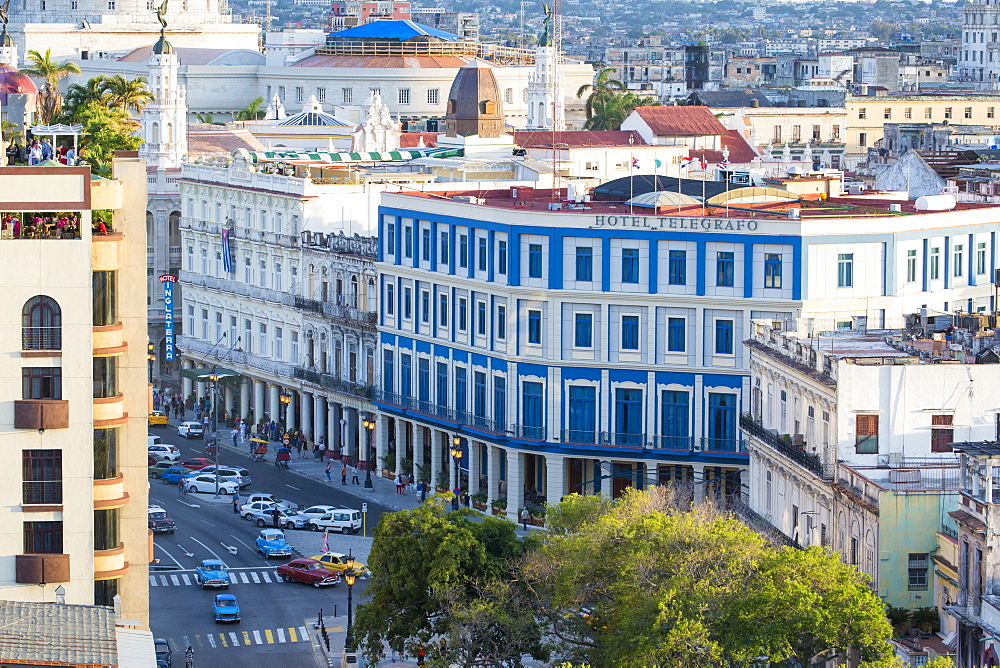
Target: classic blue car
(175, 474)
(226, 608)
(271, 543)
(212, 573)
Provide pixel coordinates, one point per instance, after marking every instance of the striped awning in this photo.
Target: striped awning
(371, 156)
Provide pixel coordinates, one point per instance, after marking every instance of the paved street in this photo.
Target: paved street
(276, 617)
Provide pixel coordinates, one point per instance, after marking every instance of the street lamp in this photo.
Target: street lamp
(456, 455)
(151, 356)
(349, 577)
(285, 398)
(369, 425)
(214, 377)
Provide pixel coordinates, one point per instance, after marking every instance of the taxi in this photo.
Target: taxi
(158, 419)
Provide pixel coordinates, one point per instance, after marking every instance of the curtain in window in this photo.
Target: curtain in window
(532, 409)
(675, 420)
(628, 417)
(721, 421)
(582, 414)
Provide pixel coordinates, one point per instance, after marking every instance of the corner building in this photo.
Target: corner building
(75, 392)
(588, 350)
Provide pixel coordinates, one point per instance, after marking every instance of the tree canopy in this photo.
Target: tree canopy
(609, 102)
(634, 582)
(51, 73)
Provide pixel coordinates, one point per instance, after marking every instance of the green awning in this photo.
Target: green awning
(203, 375)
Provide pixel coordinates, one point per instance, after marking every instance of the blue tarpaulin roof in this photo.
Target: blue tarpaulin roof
(396, 29)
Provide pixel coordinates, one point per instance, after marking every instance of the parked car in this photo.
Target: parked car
(162, 649)
(159, 466)
(175, 475)
(271, 543)
(151, 460)
(158, 419)
(317, 511)
(164, 451)
(344, 521)
(159, 521)
(206, 483)
(255, 511)
(335, 561)
(293, 519)
(212, 573)
(225, 608)
(196, 463)
(309, 571)
(270, 498)
(191, 430)
(239, 476)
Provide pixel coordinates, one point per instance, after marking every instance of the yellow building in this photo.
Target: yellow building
(866, 116)
(75, 394)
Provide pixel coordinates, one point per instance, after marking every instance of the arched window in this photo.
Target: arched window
(174, 229)
(41, 324)
(154, 134)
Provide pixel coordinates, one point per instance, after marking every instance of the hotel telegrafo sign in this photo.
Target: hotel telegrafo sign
(679, 223)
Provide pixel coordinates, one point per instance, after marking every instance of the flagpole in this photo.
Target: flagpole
(631, 181)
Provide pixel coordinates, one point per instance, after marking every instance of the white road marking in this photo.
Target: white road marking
(303, 632)
(211, 639)
(193, 505)
(267, 578)
(293, 487)
(244, 576)
(173, 578)
(153, 582)
(186, 579)
(256, 638)
(208, 548)
(281, 634)
(159, 547)
(208, 523)
(253, 575)
(250, 547)
(163, 580)
(236, 641)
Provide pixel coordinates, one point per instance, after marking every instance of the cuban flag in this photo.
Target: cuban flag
(723, 164)
(686, 161)
(635, 163)
(704, 164)
(227, 252)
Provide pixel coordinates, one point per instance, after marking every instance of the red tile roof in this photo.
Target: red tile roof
(740, 152)
(412, 139)
(206, 138)
(580, 138)
(681, 121)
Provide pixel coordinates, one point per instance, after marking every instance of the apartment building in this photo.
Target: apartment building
(74, 412)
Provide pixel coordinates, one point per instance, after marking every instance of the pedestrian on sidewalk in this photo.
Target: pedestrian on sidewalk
(329, 467)
(524, 518)
(422, 491)
(298, 447)
(354, 475)
(304, 453)
(235, 435)
(399, 483)
(236, 503)
(319, 452)
(343, 475)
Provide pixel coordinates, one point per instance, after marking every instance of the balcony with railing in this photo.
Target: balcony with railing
(349, 315)
(41, 338)
(334, 383)
(857, 494)
(773, 440)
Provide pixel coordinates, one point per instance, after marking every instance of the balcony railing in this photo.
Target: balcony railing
(329, 382)
(308, 304)
(808, 461)
(431, 409)
(760, 524)
(353, 316)
(857, 494)
(41, 338)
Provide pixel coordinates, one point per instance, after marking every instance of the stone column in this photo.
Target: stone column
(293, 406)
(699, 483)
(335, 428)
(493, 455)
(555, 478)
(245, 396)
(332, 427)
(474, 466)
(186, 383)
(418, 445)
(259, 407)
(515, 484)
(607, 482)
(307, 411)
(383, 441)
(436, 466)
(227, 398)
(319, 415)
(273, 404)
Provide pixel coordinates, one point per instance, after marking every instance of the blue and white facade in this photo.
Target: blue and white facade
(575, 351)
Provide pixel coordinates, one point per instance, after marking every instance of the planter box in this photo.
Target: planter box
(499, 511)
(479, 505)
(386, 473)
(536, 521)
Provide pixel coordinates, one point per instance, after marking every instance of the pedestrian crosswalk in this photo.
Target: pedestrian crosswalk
(242, 638)
(236, 577)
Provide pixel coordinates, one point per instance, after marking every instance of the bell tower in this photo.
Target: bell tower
(164, 120)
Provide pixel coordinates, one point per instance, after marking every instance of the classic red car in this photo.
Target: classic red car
(309, 571)
(196, 463)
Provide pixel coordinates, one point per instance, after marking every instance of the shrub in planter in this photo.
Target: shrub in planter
(478, 497)
(500, 504)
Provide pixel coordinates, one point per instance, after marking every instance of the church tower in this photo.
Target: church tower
(164, 120)
(545, 98)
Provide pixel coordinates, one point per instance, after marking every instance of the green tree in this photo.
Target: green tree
(123, 94)
(51, 73)
(610, 112)
(438, 575)
(78, 95)
(252, 112)
(644, 582)
(603, 88)
(104, 132)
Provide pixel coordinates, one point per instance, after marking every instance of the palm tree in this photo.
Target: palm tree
(78, 95)
(50, 73)
(899, 618)
(603, 88)
(123, 94)
(925, 619)
(252, 112)
(609, 112)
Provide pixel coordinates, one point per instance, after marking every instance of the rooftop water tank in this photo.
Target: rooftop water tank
(935, 203)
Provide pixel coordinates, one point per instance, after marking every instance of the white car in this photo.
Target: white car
(191, 430)
(345, 520)
(206, 483)
(255, 510)
(240, 476)
(270, 498)
(164, 451)
(313, 512)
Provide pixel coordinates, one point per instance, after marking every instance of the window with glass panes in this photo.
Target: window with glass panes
(725, 268)
(584, 263)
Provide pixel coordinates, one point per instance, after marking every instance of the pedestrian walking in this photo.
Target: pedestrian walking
(524, 518)
(329, 467)
(399, 483)
(343, 475)
(243, 432)
(354, 476)
(236, 503)
(422, 491)
(298, 447)
(235, 435)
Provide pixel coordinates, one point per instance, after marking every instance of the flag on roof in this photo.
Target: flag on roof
(686, 161)
(722, 164)
(635, 163)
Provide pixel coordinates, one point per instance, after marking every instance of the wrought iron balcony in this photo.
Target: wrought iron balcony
(810, 462)
(329, 382)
